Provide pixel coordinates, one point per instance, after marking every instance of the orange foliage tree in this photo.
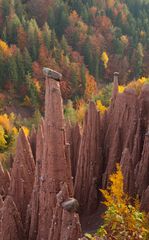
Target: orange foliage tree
(43, 55)
(103, 22)
(74, 18)
(81, 108)
(91, 86)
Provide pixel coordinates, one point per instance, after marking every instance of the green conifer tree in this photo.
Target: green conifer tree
(46, 35)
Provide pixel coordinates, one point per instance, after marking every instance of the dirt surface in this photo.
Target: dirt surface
(92, 222)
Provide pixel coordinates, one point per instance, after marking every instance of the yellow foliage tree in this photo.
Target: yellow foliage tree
(121, 219)
(5, 122)
(4, 49)
(8, 135)
(91, 87)
(105, 59)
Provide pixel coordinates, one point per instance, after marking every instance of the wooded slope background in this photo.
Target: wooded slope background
(86, 40)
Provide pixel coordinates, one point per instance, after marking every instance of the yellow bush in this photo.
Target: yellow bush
(121, 89)
(70, 112)
(105, 59)
(5, 122)
(100, 106)
(81, 110)
(14, 131)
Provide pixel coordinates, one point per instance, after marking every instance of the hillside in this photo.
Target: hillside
(85, 40)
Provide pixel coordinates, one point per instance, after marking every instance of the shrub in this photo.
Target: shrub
(69, 112)
(138, 84)
(121, 89)
(81, 108)
(105, 95)
(100, 106)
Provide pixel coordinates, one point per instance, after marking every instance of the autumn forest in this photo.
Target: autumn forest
(74, 154)
(85, 40)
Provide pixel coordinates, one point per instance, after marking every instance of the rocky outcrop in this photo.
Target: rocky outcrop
(89, 168)
(34, 189)
(142, 180)
(145, 200)
(55, 163)
(32, 141)
(75, 147)
(22, 175)
(144, 107)
(128, 172)
(11, 225)
(126, 140)
(65, 221)
(142, 128)
(73, 134)
(4, 181)
(121, 130)
(33, 208)
(1, 201)
(1, 205)
(115, 89)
